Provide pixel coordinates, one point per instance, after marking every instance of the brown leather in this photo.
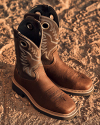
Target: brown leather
(65, 76)
(50, 38)
(28, 57)
(30, 74)
(55, 68)
(46, 93)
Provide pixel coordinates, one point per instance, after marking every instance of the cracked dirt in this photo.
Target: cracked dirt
(79, 47)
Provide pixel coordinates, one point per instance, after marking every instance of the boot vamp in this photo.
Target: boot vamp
(65, 76)
(46, 93)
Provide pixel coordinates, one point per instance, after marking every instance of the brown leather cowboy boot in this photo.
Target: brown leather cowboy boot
(65, 77)
(30, 78)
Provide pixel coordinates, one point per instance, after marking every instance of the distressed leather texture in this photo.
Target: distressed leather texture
(30, 74)
(54, 67)
(27, 58)
(65, 76)
(50, 37)
(46, 93)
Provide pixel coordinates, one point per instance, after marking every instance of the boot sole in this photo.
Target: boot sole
(23, 92)
(78, 92)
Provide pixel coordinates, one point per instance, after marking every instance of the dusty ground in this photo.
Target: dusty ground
(79, 47)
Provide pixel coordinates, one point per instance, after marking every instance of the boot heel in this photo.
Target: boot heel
(17, 90)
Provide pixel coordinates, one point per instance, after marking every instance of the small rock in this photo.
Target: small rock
(69, 20)
(16, 96)
(78, 20)
(1, 110)
(98, 61)
(98, 108)
(74, 29)
(65, 52)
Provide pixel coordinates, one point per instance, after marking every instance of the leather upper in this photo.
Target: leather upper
(55, 68)
(30, 74)
(46, 93)
(28, 54)
(50, 37)
(65, 76)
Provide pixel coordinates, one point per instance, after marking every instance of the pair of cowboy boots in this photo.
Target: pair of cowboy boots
(39, 72)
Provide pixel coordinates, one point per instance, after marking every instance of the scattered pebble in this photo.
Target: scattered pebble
(16, 95)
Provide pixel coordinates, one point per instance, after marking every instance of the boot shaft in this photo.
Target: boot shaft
(45, 10)
(28, 54)
(50, 37)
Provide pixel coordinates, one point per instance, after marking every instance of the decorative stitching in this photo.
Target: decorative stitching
(44, 46)
(28, 67)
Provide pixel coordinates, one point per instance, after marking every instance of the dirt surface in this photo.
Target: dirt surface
(79, 47)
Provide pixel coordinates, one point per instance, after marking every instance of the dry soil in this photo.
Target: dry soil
(79, 47)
